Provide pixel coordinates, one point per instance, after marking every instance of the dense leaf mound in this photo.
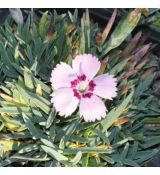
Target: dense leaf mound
(32, 134)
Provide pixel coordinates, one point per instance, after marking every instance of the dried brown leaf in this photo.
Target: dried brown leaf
(121, 121)
(108, 27)
(148, 72)
(132, 45)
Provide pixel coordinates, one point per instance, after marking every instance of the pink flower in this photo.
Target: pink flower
(76, 85)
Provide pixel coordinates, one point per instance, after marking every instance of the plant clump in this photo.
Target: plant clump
(32, 133)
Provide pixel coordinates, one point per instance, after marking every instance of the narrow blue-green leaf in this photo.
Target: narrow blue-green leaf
(77, 158)
(53, 153)
(115, 113)
(36, 133)
(17, 15)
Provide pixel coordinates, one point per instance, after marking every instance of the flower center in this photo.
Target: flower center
(83, 86)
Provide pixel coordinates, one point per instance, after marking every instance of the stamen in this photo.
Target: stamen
(83, 86)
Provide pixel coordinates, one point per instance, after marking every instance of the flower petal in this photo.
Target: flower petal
(105, 86)
(92, 109)
(64, 101)
(62, 75)
(86, 64)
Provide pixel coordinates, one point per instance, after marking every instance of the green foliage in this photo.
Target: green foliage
(124, 28)
(32, 133)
